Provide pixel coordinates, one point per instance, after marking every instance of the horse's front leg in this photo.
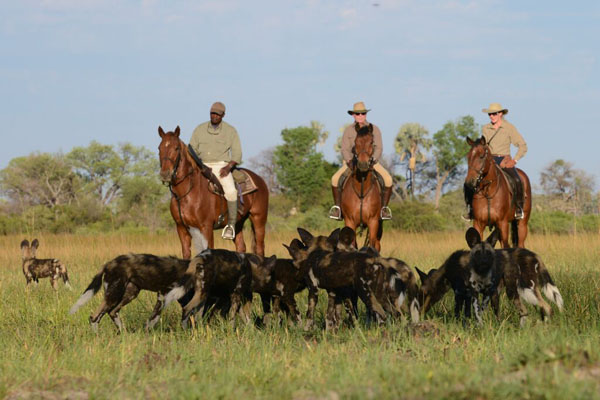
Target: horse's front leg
(240, 245)
(186, 241)
(503, 227)
(373, 230)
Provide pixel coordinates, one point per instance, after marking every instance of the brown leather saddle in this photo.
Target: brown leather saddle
(344, 179)
(243, 182)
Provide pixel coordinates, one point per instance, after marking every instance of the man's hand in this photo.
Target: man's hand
(227, 169)
(508, 162)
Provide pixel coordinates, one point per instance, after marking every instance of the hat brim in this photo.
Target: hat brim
(488, 111)
(352, 112)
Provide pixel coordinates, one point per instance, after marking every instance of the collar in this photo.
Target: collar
(214, 131)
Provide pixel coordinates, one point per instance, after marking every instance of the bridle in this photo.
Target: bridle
(478, 187)
(171, 184)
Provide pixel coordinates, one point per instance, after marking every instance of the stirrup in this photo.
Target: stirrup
(228, 232)
(385, 213)
(335, 213)
(467, 216)
(519, 214)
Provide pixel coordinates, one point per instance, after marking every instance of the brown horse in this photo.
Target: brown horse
(361, 195)
(493, 203)
(197, 210)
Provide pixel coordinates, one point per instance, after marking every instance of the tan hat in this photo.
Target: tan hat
(218, 108)
(494, 108)
(358, 108)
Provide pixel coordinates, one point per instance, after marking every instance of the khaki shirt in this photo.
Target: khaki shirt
(213, 145)
(500, 140)
(348, 142)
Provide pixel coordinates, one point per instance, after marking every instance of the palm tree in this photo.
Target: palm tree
(411, 141)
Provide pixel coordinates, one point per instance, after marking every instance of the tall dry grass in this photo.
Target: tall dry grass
(47, 353)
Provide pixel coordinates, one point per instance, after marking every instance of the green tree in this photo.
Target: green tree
(39, 179)
(567, 188)
(411, 141)
(301, 170)
(449, 151)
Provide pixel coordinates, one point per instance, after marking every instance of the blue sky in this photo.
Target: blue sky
(74, 71)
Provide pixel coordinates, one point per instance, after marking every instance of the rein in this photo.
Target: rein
(172, 184)
(481, 184)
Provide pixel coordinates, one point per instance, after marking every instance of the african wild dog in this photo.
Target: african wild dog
(124, 277)
(523, 272)
(34, 269)
(397, 288)
(286, 281)
(215, 273)
(454, 273)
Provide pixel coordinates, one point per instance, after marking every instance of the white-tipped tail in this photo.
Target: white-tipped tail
(85, 297)
(415, 311)
(552, 293)
(174, 294)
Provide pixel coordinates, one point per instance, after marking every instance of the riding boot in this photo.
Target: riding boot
(336, 212)
(229, 230)
(468, 193)
(386, 213)
(519, 214)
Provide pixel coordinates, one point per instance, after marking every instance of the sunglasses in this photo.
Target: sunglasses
(363, 113)
(494, 113)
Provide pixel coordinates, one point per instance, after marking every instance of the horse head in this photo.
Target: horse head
(479, 160)
(364, 147)
(169, 153)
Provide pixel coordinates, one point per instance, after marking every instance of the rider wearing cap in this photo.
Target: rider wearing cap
(359, 113)
(218, 145)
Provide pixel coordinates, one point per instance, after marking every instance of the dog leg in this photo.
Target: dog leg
(158, 307)
(310, 311)
(131, 292)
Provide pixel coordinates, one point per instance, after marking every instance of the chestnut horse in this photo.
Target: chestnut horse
(361, 195)
(492, 198)
(196, 210)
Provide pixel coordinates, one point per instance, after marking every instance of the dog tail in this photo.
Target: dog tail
(91, 290)
(548, 287)
(185, 284)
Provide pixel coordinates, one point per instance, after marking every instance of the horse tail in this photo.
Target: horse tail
(514, 227)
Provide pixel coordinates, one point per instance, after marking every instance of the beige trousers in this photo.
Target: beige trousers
(227, 182)
(387, 178)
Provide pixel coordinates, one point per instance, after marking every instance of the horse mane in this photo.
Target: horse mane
(363, 130)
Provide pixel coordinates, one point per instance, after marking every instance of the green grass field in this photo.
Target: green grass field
(49, 354)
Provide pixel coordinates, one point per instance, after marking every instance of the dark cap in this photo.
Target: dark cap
(218, 108)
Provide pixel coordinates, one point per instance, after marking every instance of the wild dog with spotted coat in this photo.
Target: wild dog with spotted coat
(286, 280)
(215, 273)
(124, 277)
(522, 271)
(35, 269)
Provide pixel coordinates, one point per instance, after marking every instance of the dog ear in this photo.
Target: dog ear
(334, 237)
(422, 275)
(472, 237)
(34, 246)
(347, 235)
(270, 263)
(493, 238)
(305, 235)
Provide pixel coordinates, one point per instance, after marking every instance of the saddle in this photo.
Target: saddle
(343, 179)
(243, 182)
(512, 184)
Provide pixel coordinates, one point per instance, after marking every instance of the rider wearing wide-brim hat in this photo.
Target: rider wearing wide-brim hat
(359, 113)
(499, 134)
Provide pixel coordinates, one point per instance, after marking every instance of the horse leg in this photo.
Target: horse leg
(504, 229)
(373, 231)
(258, 229)
(186, 241)
(480, 226)
(522, 229)
(240, 245)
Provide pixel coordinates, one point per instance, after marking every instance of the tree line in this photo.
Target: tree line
(105, 188)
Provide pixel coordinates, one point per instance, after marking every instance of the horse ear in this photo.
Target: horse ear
(470, 141)
(161, 133)
(493, 238)
(422, 275)
(305, 235)
(177, 131)
(473, 237)
(482, 140)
